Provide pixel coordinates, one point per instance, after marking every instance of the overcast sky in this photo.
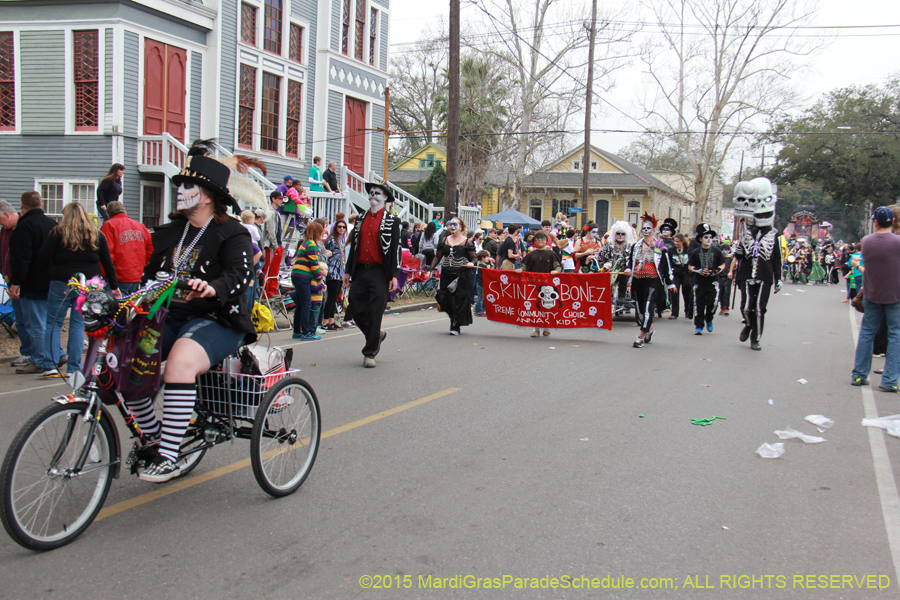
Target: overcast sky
(855, 57)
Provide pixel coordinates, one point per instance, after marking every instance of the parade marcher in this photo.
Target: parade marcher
(613, 256)
(373, 265)
(541, 260)
(681, 277)
(666, 233)
(456, 253)
(9, 217)
(651, 274)
(213, 253)
(725, 281)
(705, 265)
(760, 253)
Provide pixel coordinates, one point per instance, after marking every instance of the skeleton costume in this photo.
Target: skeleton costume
(705, 265)
(760, 253)
(651, 274)
(613, 256)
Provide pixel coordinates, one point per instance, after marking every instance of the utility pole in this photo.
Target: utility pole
(586, 159)
(450, 194)
(387, 129)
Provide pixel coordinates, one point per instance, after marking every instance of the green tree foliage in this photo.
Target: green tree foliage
(432, 189)
(848, 143)
(483, 116)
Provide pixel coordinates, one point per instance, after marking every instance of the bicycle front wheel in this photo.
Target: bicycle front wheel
(46, 503)
(285, 437)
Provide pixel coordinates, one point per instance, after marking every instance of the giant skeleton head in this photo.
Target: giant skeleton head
(756, 199)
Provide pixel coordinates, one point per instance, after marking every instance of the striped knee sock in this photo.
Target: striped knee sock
(145, 417)
(178, 404)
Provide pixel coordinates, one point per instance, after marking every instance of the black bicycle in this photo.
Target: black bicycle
(58, 471)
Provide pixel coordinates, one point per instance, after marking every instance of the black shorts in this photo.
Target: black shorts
(216, 339)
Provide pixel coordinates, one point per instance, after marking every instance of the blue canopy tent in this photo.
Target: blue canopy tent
(513, 217)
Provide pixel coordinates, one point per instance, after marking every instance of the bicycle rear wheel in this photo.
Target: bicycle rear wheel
(45, 503)
(285, 437)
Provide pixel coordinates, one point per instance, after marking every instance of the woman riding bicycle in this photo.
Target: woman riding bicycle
(212, 252)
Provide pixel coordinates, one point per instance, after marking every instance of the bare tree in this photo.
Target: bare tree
(546, 48)
(416, 79)
(718, 67)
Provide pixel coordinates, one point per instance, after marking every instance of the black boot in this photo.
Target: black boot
(745, 334)
(754, 345)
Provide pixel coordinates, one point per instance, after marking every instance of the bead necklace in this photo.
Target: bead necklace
(179, 258)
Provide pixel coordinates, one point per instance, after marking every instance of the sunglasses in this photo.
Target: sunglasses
(341, 227)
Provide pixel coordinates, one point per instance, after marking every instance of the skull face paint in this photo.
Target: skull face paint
(707, 239)
(646, 228)
(377, 198)
(453, 226)
(188, 196)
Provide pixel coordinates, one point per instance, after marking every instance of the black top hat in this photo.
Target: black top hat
(383, 188)
(703, 229)
(669, 223)
(210, 174)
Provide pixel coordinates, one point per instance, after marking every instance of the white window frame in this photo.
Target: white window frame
(260, 16)
(90, 206)
(69, 55)
(256, 57)
(162, 200)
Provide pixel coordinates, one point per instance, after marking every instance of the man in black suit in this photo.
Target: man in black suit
(373, 265)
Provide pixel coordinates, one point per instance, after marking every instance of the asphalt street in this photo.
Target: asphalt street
(567, 456)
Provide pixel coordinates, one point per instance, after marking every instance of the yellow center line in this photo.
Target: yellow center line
(180, 484)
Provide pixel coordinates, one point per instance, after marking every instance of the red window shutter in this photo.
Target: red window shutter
(176, 69)
(7, 81)
(247, 104)
(292, 135)
(87, 78)
(154, 87)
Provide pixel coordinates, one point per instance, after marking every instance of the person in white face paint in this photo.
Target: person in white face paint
(373, 265)
(212, 252)
(456, 253)
(651, 273)
(705, 264)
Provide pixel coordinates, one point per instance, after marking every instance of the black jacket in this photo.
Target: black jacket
(108, 191)
(766, 265)
(25, 244)
(389, 234)
(223, 258)
(660, 258)
(64, 263)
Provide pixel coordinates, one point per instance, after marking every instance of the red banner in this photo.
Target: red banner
(561, 300)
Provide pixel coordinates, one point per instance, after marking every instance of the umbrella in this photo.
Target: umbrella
(514, 217)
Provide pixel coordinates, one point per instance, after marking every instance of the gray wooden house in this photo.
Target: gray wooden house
(88, 83)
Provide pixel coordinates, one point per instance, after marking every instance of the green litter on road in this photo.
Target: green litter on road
(705, 422)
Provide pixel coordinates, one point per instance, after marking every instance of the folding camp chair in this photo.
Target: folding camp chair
(270, 293)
